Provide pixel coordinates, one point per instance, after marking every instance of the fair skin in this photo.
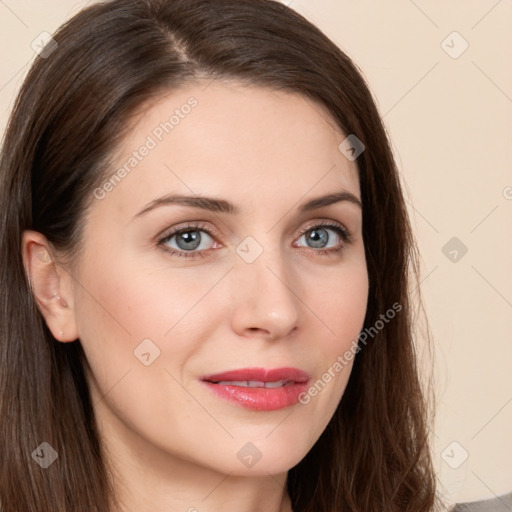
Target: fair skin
(172, 444)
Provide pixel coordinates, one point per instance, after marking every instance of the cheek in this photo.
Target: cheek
(340, 303)
(340, 300)
(119, 307)
(126, 313)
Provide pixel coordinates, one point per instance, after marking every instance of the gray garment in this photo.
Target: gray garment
(500, 504)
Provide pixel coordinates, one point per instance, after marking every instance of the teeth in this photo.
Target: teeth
(277, 384)
(254, 383)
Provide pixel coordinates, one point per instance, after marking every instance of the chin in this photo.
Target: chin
(261, 459)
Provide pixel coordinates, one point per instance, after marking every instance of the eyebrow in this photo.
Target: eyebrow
(223, 206)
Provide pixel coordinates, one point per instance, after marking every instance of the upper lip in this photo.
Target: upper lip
(260, 375)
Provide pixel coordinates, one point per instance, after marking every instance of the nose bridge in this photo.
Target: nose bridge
(263, 258)
(266, 299)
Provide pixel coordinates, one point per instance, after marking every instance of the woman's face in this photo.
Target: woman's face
(242, 287)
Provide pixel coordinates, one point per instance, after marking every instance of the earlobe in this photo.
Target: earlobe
(50, 285)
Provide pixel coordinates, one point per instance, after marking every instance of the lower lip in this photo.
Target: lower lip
(259, 399)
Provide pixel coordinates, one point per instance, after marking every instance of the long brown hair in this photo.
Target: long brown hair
(73, 108)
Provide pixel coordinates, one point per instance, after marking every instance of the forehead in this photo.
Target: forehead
(229, 140)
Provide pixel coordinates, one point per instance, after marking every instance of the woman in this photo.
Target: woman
(205, 280)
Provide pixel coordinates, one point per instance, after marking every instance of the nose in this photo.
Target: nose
(266, 304)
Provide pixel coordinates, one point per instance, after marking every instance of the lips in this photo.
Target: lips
(261, 375)
(259, 389)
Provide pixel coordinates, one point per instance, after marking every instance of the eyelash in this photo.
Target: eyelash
(340, 230)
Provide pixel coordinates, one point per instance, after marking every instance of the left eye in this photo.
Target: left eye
(319, 236)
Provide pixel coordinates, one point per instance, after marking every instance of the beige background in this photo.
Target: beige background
(449, 115)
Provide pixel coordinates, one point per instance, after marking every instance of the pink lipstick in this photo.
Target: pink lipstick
(258, 388)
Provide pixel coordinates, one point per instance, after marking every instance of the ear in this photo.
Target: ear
(51, 284)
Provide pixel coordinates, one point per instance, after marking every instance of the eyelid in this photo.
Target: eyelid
(327, 223)
(187, 226)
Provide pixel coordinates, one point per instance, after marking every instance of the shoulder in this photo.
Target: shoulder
(498, 504)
